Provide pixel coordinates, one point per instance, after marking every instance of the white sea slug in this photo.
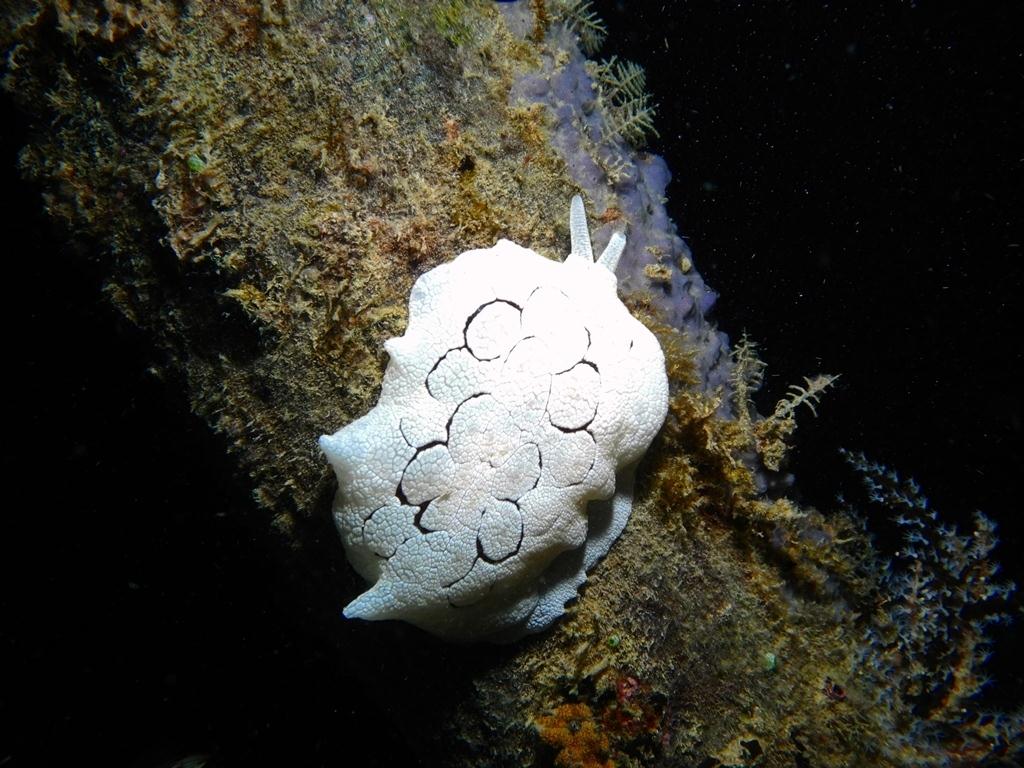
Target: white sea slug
(497, 466)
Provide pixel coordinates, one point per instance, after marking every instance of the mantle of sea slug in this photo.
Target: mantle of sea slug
(497, 466)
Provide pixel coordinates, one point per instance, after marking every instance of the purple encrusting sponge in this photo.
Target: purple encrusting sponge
(626, 189)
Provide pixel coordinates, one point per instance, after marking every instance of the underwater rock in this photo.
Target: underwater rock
(262, 184)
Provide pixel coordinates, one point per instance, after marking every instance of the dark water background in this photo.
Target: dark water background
(849, 179)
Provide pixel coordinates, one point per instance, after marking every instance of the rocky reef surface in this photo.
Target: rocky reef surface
(264, 181)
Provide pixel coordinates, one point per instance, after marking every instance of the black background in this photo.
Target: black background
(849, 180)
(848, 176)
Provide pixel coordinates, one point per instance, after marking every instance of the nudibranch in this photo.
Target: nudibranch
(497, 467)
